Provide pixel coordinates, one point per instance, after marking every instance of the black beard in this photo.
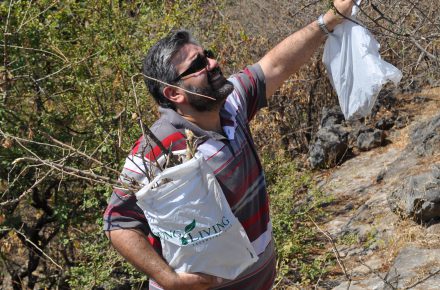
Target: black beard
(203, 104)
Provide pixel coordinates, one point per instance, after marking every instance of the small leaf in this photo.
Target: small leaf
(184, 241)
(190, 227)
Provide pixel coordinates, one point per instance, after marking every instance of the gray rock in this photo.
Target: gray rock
(414, 265)
(401, 122)
(434, 229)
(384, 124)
(331, 116)
(370, 138)
(419, 196)
(425, 138)
(330, 146)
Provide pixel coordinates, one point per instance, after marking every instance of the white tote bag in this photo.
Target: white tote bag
(186, 208)
(355, 68)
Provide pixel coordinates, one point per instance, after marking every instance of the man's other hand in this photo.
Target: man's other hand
(194, 281)
(343, 8)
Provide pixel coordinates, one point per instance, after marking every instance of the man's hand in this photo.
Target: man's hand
(193, 281)
(135, 248)
(343, 9)
(290, 54)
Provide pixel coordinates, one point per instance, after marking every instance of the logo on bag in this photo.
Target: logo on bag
(188, 228)
(188, 236)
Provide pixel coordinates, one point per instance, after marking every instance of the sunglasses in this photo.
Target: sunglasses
(199, 63)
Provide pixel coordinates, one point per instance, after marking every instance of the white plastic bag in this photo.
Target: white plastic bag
(355, 68)
(187, 209)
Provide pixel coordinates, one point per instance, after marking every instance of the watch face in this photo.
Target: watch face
(322, 24)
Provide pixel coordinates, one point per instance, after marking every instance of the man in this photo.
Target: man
(187, 83)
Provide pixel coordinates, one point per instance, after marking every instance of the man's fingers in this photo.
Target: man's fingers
(200, 280)
(211, 280)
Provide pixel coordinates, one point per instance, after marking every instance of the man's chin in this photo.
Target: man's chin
(217, 82)
(225, 90)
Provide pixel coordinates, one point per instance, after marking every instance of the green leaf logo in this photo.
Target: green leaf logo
(190, 227)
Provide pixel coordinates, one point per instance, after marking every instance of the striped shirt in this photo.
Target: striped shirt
(235, 163)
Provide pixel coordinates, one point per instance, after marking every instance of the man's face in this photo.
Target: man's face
(204, 77)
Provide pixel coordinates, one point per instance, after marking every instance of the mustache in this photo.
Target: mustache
(178, 87)
(214, 72)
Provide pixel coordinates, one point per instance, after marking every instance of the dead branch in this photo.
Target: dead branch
(36, 16)
(80, 153)
(376, 274)
(423, 279)
(82, 174)
(38, 181)
(34, 49)
(335, 251)
(36, 247)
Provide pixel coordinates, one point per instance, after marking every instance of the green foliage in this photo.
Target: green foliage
(295, 202)
(70, 70)
(101, 266)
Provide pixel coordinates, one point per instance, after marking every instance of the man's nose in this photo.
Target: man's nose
(212, 63)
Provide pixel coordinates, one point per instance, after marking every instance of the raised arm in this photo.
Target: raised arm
(290, 54)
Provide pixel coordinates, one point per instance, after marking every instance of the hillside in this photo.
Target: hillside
(382, 248)
(73, 102)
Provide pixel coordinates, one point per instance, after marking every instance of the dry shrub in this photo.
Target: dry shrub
(408, 32)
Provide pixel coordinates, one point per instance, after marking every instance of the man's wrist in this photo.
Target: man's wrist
(332, 19)
(322, 25)
(168, 279)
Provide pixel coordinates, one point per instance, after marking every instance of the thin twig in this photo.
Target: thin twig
(428, 54)
(7, 18)
(92, 177)
(69, 65)
(35, 49)
(42, 12)
(335, 250)
(25, 14)
(176, 87)
(26, 191)
(80, 153)
(422, 280)
(375, 273)
(41, 251)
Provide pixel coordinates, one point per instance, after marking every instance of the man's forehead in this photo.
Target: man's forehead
(185, 53)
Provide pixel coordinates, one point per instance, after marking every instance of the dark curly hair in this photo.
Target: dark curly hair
(157, 64)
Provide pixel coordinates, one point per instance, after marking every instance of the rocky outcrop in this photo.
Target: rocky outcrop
(370, 138)
(386, 221)
(419, 196)
(331, 141)
(414, 268)
(425, 138)
(336, 138)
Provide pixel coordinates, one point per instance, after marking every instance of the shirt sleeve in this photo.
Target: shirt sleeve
(250, 91)
(122, 211)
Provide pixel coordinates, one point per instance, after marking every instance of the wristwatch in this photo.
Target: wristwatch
(322, 24)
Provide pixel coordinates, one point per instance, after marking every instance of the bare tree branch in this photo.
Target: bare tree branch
(37, 182)
(335, 251)
(36, 247)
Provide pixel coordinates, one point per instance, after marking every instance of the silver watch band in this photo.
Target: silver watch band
(322, 24)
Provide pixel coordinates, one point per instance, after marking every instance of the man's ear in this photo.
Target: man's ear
(174, 95)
